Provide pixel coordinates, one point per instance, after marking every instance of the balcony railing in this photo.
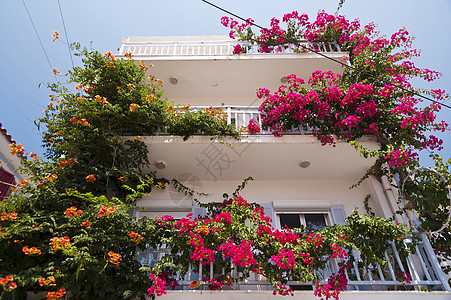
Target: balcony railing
(241, 115)
(422, 265)
(214, 48)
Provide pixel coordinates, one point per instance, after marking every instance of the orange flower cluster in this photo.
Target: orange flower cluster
(203, 229)
(31, 251)
(59, 243)
(81, 98)
(110, 56)
(160, 186)
(135, 237)
(51, 178)
(22, 183)
(34, 156)
(150, 98)
(17, 150)
(101, 99)
(123, 178)
(8, 283)
(67, 162)
(105, 211)
(78, 86)
(86, 223)
(47, 281)
(130, 85)
(128, 54)
(72, 212)
(184, 107)
(90, 178)
(114, 258)
(83, 121)
(55, 35)
(12, 216)
(142, 66)
(219, 113)
(55, 71)
(133, 106)
(195, 284)
(88, 89)
(56, 295)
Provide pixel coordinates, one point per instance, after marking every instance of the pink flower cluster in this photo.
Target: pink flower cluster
(400, 158)
(185, 226)
(253, 127)
(239, 201)
(241, 254)
(164, 220)
(285, 259)
(203, 254)
(336, 284)
(338, 251)
(158, 286)
(403, 277)
(215, 284)
(314, 239)
(223, 217)
(282, 290)
(259, 213)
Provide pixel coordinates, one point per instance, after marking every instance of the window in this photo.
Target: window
(313, 220)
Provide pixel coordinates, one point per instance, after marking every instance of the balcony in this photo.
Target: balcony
(218, 47)
(254, 155)
(422, 265)
(240, 116)
(200, 70)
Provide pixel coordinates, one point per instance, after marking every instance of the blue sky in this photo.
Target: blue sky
(25, 71)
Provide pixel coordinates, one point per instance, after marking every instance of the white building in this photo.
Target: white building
(296, 180)
(9, 164)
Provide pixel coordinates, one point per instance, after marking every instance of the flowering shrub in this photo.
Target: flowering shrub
(349, 105)
(247, 242)
(374, 96)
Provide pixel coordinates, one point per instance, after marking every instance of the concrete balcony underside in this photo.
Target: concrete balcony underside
(202, 68)
(201, 79)
(263, 157)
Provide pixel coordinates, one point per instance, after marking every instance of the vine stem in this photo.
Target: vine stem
(412, 174)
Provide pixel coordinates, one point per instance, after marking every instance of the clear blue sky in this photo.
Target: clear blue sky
(24, 66)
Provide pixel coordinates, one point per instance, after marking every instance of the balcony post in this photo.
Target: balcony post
(434, 262)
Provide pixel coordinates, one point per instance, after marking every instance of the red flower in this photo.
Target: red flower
(90, 178)
(114, 258)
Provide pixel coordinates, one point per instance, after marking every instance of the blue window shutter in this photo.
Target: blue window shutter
(269, 212)
(338, 214)
(198, 212)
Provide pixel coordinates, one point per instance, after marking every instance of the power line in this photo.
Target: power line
(327, 57)
(40, 42)
(65, 33)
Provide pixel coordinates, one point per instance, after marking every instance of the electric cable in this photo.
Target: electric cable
(35, 30)
(65, 33)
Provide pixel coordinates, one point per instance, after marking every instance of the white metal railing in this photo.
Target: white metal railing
(215, 48)
(241, 115)
(422, 265)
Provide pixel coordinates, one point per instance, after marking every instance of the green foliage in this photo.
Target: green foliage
(70, 226)
(428, 194)
(237, 232)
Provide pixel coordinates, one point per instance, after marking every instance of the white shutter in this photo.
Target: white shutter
(198, 212)
(338, 214)
(269, 212)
